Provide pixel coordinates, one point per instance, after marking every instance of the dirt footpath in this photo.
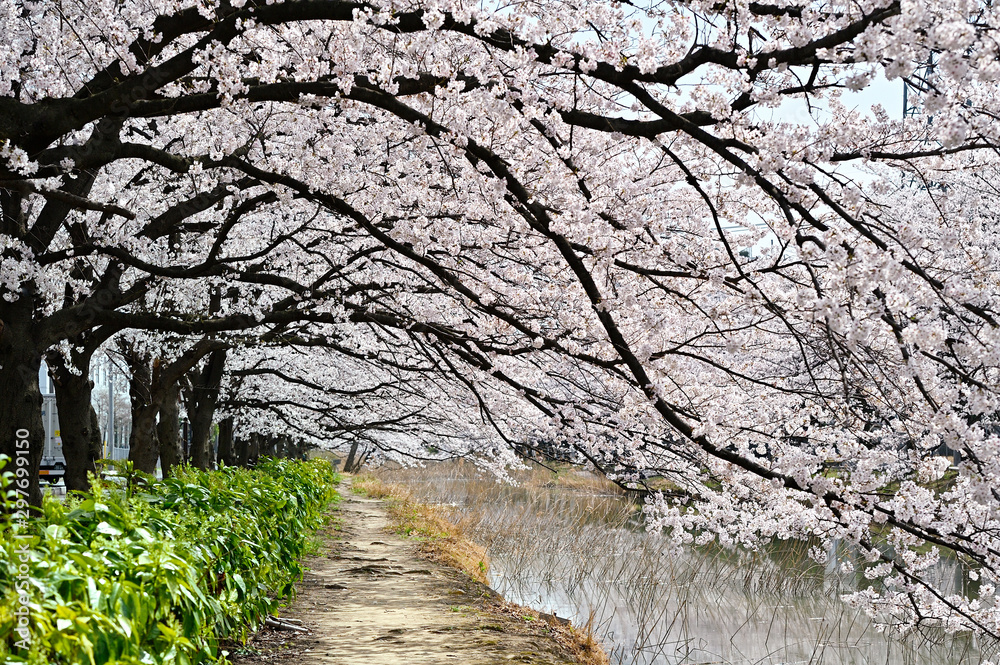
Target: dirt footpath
(368, 599)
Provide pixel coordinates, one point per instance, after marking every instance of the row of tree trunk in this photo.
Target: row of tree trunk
(157, 391)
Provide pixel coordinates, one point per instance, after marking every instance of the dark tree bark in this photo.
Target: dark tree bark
(185, 442)
(76, 425)
(96, 442)
(241, 450)
(22, 340)
(168, 430)
(362, 459)
(294, 448)
(268, 446)
(227, 451)
(144, 449)
(351, 465)
(297, 448)
(21, 431)
(253, 450)
(79, 428)
(148, 390)
(24, 336)
(201, 407)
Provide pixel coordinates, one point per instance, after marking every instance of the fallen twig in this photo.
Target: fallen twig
(278, 624)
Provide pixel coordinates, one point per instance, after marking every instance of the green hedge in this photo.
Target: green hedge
(158, 574)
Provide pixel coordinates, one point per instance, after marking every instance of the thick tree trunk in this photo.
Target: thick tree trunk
(253, 450)
(201, 427)
(96, 443)
(23, 338)
(144, 448)
(78, 423)
(22, 435)
(168, 430)
(73, 392)
(226, 451)
(205, 396)
(241, 450)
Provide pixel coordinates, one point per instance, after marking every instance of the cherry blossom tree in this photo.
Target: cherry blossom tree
(564, 206)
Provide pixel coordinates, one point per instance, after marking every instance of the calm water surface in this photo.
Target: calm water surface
(586, 557)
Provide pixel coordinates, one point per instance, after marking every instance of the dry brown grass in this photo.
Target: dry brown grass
(440, 538)
(585, 648)
(578, 479)
(368, 485)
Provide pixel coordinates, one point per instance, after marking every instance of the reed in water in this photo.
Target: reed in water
(575, 545)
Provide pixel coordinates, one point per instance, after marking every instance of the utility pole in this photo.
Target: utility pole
(110, 442)
(915, 86)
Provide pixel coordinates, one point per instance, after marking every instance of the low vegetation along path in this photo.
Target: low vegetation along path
(368, 598)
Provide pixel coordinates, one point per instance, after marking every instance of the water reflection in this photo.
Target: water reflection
(586, 557)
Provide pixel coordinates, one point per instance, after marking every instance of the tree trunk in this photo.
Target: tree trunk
(185, 442)
(241, 450)
(296, 449)
(78, 423)
(148, 391)
(144, 448)
(253, 450)
(349, 464)
(23, 338)
(96, 443)
(22, 435)
(269, 446)
(227, 454)
(168, 430)
(76, 426)
(205, 396)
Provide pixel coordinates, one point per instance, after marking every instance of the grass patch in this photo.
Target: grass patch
(316, 539)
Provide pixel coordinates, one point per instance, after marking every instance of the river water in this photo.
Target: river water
(584, 555)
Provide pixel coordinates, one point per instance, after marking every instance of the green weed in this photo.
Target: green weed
(156, 571)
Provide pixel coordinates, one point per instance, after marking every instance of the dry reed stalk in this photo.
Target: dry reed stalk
(579, 641)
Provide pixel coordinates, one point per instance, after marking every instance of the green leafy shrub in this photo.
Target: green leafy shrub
(159, 572)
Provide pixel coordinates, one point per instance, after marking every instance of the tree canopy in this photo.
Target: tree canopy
(661, 232)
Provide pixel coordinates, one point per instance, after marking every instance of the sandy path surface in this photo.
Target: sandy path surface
(369, 599)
